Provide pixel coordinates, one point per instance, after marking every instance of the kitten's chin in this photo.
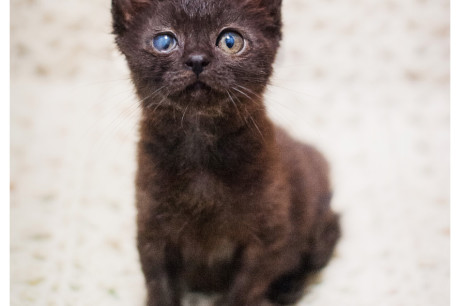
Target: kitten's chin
(198, 88)
(198, 94)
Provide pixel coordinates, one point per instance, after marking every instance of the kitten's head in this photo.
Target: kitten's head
(198, 52)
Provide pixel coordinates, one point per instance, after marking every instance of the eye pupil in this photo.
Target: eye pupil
(230, 41)
(163, 42)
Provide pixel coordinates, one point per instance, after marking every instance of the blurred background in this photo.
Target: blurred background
(367, 82)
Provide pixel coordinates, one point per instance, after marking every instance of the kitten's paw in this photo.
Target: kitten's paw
(224, 302)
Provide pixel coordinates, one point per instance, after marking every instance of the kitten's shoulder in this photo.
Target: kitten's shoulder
(302, 160)
(292, 147)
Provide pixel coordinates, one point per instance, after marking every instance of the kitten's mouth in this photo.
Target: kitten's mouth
(198, 86)
(198, 93)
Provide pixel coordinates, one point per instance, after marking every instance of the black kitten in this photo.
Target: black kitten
(226, 201)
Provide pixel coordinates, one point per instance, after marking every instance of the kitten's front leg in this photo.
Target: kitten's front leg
(260, 266)
(162, 285)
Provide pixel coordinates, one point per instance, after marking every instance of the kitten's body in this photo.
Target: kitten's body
(226, 201)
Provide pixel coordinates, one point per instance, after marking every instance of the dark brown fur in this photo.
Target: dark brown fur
(226, 201)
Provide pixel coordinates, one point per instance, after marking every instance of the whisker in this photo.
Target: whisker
(153, 95)
(243, 93)
(255, 124)
(233, 102)
(249, 91)
(248, 115)
(160, 103)
(183, 115)
(303, 94)
(271, 104)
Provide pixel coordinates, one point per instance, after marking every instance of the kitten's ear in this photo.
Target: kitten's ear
(123, 12)
(274, 9)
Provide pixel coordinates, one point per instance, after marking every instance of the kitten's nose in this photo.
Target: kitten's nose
(197, 62)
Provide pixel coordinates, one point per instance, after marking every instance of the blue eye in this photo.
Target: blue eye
(164, 42)
(230, 42)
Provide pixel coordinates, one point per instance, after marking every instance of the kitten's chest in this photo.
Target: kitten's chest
(207, 144)
(206, 236)
(200, 253)
(196, 144)
(209, 267)
(203, 189)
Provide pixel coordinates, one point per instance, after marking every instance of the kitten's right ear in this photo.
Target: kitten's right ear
(123, 12)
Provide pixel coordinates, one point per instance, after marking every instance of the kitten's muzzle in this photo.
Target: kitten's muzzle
(197, 62)
(198, 86)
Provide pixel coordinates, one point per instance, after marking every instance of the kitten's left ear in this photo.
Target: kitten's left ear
(123, 12)
(274, 9)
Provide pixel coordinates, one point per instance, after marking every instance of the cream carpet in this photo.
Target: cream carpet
(367, 82)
